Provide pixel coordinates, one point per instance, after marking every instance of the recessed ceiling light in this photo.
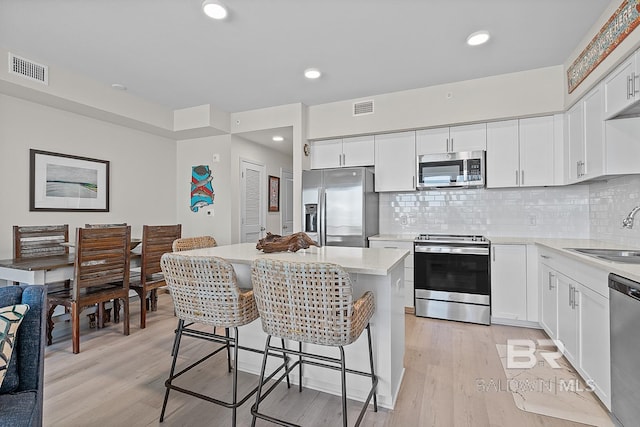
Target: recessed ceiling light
(312, 73)
(214, 9)
(277, 138)
(119, 86)
(478, 38)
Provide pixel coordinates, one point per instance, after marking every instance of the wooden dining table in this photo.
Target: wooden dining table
(44, 270)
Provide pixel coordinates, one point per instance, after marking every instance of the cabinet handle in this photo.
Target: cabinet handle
(634, 89)
(551, 276)
(545, 256)
(575, 300)
(522, 179)
(629, 87)
(451, 145)
(571, 296)
(517, 178)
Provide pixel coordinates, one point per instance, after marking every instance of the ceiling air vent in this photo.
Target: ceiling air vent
(28, 69)
(362, 108)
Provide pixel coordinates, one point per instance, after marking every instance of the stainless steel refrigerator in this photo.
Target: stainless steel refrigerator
(339, 206)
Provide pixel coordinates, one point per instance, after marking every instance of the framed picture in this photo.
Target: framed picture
(62, 182)
(274, 194)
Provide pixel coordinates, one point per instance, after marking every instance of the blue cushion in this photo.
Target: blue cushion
(18, 409)
(9, 296)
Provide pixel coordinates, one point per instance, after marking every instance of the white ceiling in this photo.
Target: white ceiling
(168, 52)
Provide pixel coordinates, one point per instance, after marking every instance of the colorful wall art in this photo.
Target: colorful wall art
(202, 193)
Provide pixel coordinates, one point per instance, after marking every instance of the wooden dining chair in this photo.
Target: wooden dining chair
(31, 241)
(156, 241)
(197, 242)
(39, 240)
(101, 274)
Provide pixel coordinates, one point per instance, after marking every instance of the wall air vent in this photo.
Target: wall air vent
(28, 69)
(362, 108)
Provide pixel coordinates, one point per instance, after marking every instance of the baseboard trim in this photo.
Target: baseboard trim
(514, 322)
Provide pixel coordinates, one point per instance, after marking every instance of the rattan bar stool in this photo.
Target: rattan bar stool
(205, 291)
(311, 303)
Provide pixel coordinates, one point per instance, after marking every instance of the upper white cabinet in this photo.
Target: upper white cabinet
(451, 139)
(585, 128)
(520, 153)
(395, 165)
(622, 87)
(343, 152)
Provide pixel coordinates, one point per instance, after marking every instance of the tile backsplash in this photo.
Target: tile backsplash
(535, 212)
(610, 202)
(593, 210)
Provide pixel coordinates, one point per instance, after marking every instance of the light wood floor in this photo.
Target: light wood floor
(119, 381)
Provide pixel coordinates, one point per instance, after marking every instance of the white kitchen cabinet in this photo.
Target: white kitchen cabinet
(568, 317)
(575, 133)
(520, 153)
(582, 316)
(395, 165)
(594, 339)
(509, 282)
(537, 151)
(451, 139)
(549, 301)
(344, 152)
(622, 87)
(503, 154)
(586, 137)
(408, 265)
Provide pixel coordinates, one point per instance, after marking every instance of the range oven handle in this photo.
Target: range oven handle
(456, 250)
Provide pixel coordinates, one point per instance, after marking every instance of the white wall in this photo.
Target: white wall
(224, 224)
(196, 152)
(526, 93)
(142, 168)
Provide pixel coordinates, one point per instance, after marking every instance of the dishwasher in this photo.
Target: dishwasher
(624, 308)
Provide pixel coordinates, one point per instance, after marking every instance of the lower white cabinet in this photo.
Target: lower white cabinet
(575, 311)
(408, 264)
(549, 301)
(509, 282)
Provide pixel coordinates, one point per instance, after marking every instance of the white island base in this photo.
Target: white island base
(378, 270)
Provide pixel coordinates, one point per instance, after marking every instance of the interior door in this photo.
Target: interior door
(287, 202)
(253, 188)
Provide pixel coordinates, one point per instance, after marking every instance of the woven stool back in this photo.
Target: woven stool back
(198, 242)
(306, 302)
(205, 290)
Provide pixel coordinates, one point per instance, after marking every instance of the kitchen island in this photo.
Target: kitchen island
(379, 270)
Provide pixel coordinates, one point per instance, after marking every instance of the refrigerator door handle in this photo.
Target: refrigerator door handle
(322, 216)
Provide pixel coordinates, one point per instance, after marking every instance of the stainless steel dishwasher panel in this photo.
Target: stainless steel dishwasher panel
(624, 303)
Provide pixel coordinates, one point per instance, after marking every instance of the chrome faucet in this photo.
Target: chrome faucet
(628, 221)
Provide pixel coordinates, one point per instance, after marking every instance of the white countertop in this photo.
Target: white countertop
(630, 271)
(375, 261)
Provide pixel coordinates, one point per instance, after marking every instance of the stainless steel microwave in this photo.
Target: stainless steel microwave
(451, 170)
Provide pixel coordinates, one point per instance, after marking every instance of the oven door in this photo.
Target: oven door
(460, 270)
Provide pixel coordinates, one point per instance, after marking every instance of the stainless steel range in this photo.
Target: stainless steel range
(451, 277)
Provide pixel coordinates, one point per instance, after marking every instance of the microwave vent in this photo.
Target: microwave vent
(28, 69)
(362, 108)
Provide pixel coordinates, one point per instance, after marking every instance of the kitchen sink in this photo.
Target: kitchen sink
(628, 256)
